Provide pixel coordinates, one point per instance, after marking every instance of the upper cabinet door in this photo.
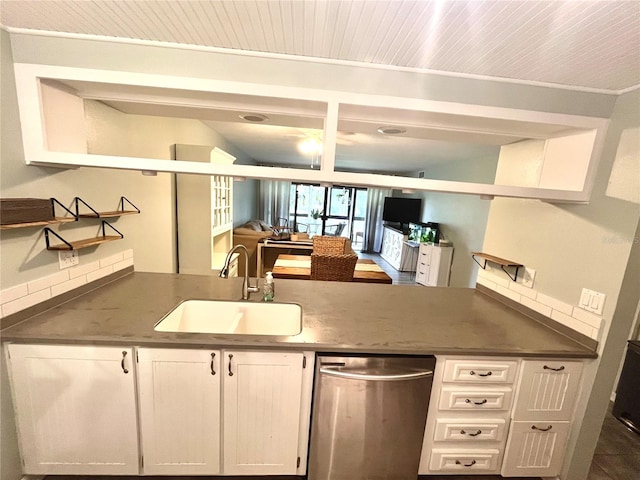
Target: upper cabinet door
(179, 393)
(548, 390)
(262, 398)
(76, 410)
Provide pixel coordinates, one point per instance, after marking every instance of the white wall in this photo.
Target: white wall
(463, 218)
(576, 246)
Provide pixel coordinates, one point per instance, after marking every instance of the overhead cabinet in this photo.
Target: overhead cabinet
(541, 155)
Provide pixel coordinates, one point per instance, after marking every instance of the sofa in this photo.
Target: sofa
(248, 235)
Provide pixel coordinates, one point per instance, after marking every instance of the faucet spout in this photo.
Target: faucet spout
(247, 288)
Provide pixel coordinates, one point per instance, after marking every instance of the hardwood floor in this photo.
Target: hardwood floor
(398, 278)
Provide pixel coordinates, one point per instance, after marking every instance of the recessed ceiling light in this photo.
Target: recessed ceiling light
(392, 130)
(253, 117)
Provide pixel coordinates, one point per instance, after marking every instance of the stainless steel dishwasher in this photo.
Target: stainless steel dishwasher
(369, 415)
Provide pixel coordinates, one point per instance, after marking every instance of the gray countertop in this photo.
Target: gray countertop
(354, 317)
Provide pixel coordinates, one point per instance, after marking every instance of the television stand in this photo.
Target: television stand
(397, 251)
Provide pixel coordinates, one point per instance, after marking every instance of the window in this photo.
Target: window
(335, 210)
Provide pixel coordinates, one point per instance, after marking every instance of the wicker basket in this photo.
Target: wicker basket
(338, 267)
(329, 245)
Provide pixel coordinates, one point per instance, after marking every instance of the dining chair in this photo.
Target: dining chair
(329, 245)
(335, 230)
(333, 267)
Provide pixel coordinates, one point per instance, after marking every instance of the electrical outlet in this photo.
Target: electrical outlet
(68, 258)
(528, 275)
(592, 301)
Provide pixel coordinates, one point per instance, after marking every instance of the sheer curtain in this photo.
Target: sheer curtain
(274, 200)
(373, 221)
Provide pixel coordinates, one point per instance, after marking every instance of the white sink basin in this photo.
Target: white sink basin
(237, 318)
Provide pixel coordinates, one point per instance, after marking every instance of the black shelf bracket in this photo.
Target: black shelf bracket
(55, 202)
(515, 276)
(78, 201)
(125, 199)
(48, 231)
(105, 223)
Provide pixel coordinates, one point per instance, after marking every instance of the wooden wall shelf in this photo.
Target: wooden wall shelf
(84, 243)
(38, 224)
(498, 261)
(114, 213)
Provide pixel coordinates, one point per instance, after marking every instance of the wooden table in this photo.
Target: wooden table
(305, 245)
(299, 267)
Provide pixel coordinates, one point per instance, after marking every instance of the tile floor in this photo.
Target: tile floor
(617, 455)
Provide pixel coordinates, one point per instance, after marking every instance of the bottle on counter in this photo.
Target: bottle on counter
(268, 288)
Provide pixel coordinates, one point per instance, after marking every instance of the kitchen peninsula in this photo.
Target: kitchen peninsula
(355, 317)
(99, 356)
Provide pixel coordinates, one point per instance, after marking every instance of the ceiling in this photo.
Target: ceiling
(584, 45)
(589, 44)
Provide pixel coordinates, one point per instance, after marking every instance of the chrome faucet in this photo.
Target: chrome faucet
(247, 288)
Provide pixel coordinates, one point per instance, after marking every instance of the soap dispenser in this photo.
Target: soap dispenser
(268, 288)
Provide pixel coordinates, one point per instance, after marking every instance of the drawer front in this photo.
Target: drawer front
(425, 254)
(421, 277)
(535, 449)
(467, 460)
(479, 372)
(548, 390)
(456, 398)
(450, 429)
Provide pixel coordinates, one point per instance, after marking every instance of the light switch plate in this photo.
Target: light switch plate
(68, 258)
(592, 301)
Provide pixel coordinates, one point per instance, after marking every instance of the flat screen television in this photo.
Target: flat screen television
(401, 210)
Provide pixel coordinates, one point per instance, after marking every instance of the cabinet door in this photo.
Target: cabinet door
(535, 449)
(179, 393)
(262, 394)
(548, 390)
(75, 409)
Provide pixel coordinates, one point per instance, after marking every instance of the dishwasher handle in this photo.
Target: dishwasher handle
(375, 377)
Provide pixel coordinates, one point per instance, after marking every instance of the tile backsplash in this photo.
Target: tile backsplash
(571, 316)
(25, 295)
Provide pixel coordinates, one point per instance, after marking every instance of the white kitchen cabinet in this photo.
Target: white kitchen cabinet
(469, 415)
(542, 414)
(547, 390)
(399, 253)
(262, 410)
(535, 449)
(433, 267)
(75, 409)
(179, 398)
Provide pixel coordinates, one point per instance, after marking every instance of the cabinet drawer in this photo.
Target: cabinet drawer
(421, 277)
(479, 372)
(548, 390)
(535, 449)
(424, 255)
(467, 460)
(481, 398)
(448, 429)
